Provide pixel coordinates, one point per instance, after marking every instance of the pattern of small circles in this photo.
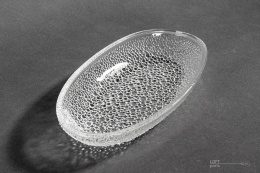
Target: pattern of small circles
(159, 67)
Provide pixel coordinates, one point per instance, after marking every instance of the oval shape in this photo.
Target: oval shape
(130, 86)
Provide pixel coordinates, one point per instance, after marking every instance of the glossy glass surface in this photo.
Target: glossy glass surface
(130, 86)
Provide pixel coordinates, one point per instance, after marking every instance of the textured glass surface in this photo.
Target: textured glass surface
(130, 86)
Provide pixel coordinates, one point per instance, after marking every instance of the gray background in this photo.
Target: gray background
(43, 42)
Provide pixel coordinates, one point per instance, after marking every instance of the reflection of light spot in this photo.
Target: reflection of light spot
(156, 34)
(179, 33)
(113, 70)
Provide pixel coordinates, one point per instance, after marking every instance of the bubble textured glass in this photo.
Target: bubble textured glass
(130, 86)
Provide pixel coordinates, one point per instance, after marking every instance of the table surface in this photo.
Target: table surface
(43, 42)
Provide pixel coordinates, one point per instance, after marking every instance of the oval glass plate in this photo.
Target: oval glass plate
(130, 86)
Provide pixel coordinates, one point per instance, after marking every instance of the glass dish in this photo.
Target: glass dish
(130, 86)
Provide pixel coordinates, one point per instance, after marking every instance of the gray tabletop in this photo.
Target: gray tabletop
(43, 42)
